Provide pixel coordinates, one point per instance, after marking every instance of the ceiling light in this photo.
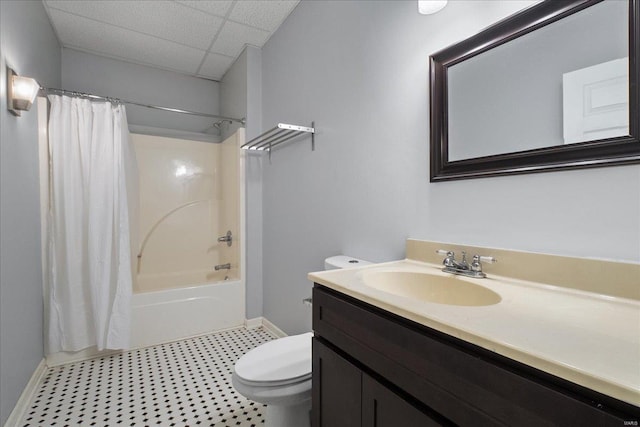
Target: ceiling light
(428, 7)
(21, 92)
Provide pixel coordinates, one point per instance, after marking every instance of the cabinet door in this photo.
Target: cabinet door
(381, 407)
(336, 393)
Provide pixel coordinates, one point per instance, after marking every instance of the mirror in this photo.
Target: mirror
(552, 87)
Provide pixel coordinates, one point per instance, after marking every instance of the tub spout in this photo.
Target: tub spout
(226, 266)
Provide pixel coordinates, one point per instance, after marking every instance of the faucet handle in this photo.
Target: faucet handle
(450, 257)
(476, 266)
(487, 259)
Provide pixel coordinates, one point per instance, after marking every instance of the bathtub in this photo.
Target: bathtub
(147, 283)
(172, 314)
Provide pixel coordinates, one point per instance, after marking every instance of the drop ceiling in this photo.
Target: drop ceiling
(200, 37)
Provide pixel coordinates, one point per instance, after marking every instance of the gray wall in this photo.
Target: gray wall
(30, 47)
(493, 97)
(85, 72)
(360, 70)
(253, 173)
(240, 96)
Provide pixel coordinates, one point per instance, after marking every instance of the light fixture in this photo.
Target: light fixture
(428, 7)
(21, 92)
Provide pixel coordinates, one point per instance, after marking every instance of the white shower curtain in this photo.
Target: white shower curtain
(93, 199)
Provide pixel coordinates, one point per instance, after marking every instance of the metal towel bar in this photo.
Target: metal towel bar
(278, 135)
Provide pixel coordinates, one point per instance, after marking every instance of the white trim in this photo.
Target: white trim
(273, 328)
(258, 322)
(254, 323)
(27, 394)
(66, 357)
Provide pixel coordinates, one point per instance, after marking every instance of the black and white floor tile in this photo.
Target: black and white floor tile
(183, 383)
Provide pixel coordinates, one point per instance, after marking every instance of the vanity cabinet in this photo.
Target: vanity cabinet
(374, 368)
(350, 397)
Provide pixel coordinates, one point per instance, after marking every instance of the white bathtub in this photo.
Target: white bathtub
(182, 279)
(173, 314)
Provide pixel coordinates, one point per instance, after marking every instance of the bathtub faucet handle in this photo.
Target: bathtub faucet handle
(226, 238)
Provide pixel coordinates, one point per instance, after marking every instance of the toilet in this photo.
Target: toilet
(278, 373)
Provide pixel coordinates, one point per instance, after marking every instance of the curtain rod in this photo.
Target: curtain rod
(155, 107)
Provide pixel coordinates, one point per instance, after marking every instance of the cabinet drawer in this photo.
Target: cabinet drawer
(467, 384)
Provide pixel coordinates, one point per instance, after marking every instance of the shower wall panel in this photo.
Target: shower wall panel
(188, 198)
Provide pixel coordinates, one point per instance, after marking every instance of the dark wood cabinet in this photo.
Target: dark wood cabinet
(348, 397)
(374, 368)
(337, 388)
(381, 407)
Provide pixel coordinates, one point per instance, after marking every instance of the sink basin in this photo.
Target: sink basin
(427, 287)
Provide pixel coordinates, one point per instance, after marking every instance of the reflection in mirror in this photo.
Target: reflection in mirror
(595, 102)
(564, 83)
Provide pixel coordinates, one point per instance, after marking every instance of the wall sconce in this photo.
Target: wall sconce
(428, 7)
(21, 92)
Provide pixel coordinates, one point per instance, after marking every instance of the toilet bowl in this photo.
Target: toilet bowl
(278, 373)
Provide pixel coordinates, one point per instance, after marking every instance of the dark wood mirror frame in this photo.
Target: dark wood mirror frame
(603, 152)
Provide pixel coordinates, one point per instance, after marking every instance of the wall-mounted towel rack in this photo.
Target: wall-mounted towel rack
(278, 135)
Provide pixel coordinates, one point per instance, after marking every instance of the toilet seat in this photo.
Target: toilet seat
(284, 361)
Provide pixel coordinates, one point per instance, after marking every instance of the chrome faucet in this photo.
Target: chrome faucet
(226, 266)
(463, 267)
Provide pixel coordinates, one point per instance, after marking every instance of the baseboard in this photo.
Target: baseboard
(254, 323)
(258, 322)
(65, 357)
(273, 328)
(27, 394)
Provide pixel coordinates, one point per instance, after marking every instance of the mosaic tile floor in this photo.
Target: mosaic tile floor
(184, 383)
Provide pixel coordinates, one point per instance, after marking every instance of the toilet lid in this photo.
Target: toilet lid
(283, 359)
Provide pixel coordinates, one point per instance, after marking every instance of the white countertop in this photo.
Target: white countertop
(587, 338)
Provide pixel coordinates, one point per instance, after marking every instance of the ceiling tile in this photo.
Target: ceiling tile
(215, 66)
(173, 35)
(267, 15)
(103, 39)
(165, 19)
(233, 37)
(214, 7)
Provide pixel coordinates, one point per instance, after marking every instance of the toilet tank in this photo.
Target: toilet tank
(343, 261)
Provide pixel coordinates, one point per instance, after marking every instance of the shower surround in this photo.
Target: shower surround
(188, 199)
(190, 196)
